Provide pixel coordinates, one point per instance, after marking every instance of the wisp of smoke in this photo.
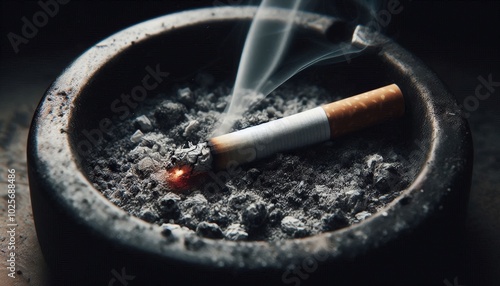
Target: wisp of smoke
(265, 64)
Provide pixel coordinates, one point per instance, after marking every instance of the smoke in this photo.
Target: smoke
(266, 62)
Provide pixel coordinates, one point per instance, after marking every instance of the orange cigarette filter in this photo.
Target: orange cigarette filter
(365, 109)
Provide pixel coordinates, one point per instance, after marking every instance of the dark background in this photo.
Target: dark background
(460, 41)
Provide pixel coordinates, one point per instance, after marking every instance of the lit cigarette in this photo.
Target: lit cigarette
(306, 128)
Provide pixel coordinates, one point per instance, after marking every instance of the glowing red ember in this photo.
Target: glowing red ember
(178, 177)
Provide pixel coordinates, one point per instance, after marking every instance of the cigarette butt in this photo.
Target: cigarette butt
(306, 128)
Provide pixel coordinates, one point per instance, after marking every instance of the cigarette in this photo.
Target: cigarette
(310, 127)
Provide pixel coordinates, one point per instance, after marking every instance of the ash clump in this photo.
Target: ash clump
(297, 194)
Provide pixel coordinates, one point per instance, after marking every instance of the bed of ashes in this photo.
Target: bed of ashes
(296, 194)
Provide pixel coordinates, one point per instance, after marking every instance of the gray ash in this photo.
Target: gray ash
(301, 193)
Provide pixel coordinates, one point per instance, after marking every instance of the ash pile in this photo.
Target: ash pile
(292, 195)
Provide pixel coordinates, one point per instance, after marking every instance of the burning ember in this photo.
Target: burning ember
(179, 177)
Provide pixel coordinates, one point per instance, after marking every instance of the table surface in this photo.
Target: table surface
(24, 78)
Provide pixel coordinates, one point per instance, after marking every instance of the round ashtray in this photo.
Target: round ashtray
(85, 237)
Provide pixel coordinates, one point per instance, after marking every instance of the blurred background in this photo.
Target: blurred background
(460, 41)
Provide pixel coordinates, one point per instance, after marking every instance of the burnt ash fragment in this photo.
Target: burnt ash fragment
(209, 230)
(254, 215)
(169, 113)
(169, 206)
(334, 221)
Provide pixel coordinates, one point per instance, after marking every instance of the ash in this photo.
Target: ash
(302, 193)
